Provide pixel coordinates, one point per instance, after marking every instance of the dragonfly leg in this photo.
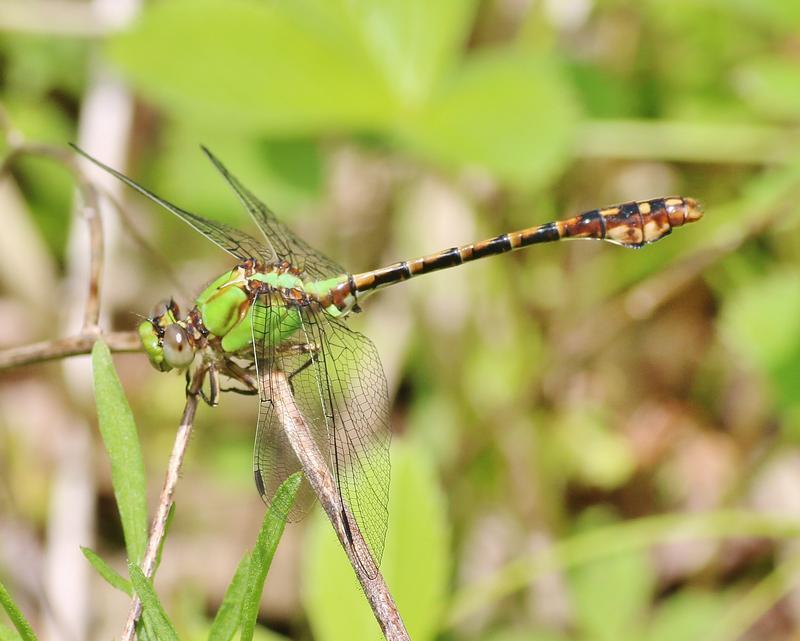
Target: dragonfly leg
(240, 374)
(301, 368)
(239, 390)
(306, 348)
(212, 398)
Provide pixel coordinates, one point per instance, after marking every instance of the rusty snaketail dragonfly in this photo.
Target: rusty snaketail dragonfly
(284, 306)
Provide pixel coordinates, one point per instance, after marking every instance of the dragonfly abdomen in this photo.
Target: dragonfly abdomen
(632, 224)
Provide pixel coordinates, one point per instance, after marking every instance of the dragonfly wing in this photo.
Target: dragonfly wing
(233, 241)
(274, 459)
(339, 387)
(285, 244)
(354, 397)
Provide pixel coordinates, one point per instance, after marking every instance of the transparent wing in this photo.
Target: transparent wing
(233, 241)
(281, 239)
(274, 459)
(355, 386)
(339, 386)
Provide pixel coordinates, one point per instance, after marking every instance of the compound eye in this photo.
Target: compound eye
(178, 352)
(159, 309)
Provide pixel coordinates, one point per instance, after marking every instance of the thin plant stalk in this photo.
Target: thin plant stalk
(319, 476)
(167, 497)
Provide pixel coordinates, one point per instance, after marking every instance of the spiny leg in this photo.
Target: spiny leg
(240, 374)
(213, 387)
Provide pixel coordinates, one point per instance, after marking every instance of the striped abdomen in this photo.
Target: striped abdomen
(633, 224)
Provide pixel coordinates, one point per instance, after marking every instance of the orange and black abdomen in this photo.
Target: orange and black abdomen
(632, 224)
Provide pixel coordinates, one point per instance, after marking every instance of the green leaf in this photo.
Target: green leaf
(228, 617)
(111, 576)
(261, 558)
(762, 322)
(611, 596)
(253, 65)
(772, 86)
(49, 188)
(594, 453)
(17, 618)
(413, 41)
(416, 561)
(777, 14)
(690, 614)
(7, 634)
(121, 441)
(153, 612)
(507, 111)
(167, 526)
(284, 173)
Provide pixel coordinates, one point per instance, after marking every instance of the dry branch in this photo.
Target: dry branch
(70, 346)
(319, 475)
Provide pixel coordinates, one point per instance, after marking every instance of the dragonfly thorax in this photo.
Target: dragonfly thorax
(223, 315)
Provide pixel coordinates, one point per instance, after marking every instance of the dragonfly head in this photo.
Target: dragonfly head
(165, 339)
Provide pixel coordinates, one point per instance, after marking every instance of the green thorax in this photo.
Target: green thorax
(226, 306)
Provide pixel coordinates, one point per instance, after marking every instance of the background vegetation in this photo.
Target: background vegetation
(590, 443)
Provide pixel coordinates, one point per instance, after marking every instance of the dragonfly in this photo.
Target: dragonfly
(284, 307)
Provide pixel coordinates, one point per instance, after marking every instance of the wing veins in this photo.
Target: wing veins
(235, 242)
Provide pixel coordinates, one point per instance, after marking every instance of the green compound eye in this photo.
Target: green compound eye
(178, 351)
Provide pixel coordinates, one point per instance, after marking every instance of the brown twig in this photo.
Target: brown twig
(91, 208)
(319, 475)
(158, 529)
(153, 255)
(91, 211)
(70, 346)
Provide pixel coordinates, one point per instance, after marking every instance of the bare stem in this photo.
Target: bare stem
(91, 211)
(158, 529)
(153, 255)
(90, 207)
(319, 475)
(70, 346)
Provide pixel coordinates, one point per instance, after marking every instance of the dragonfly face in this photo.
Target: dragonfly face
(166, 341)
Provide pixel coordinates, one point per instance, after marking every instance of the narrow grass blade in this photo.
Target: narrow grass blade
(618, 538)
(122, 444)
(167, 525)
(155, 618)
(17, 618)
(144, 632)
(229, 615)
(111, 576)
(267, 542)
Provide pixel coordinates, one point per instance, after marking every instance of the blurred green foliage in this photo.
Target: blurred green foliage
(416, 561)
(539, 397)
(314, 67)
